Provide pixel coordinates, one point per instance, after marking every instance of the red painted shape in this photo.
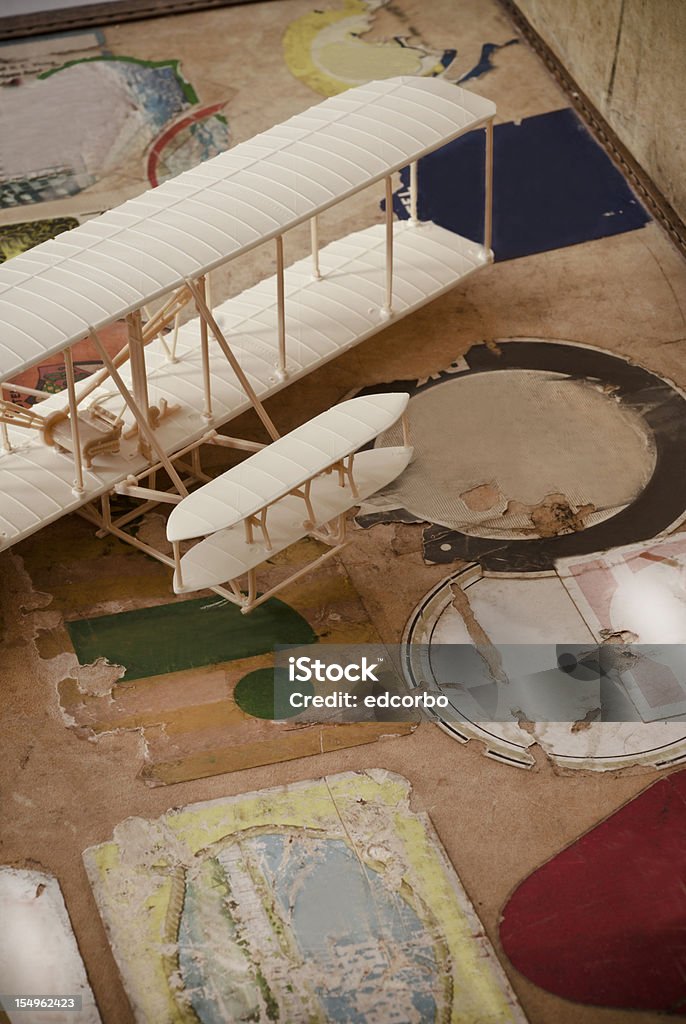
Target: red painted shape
(604, 922)
(168, 134)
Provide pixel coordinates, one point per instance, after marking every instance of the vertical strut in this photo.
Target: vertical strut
(205, 353)
(4, 433)
(281, 305)
(233, 362)
(139, 380)
(74, 421)
(488, 174)
(388, 305)
(413, 192)
(314, 236)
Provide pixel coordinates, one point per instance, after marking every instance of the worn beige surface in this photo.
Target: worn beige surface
(626, 294)
(628, 57)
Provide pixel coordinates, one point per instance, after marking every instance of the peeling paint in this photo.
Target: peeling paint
(482, 497)
(618, 636)
(478, 634)
(585, 723)
(553, 516)
(187, 722)
(320, 901)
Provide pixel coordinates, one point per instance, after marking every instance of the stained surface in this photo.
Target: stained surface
(193, 723)
(603, 921)
(332, 907)
(622, 293)
(559, 449)
(531, 442)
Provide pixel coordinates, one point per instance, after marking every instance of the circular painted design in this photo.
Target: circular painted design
(524, 610)
(265, 693)
(551, 449)
(295, 921)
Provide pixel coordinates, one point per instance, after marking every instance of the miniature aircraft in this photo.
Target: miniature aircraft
(154, 404)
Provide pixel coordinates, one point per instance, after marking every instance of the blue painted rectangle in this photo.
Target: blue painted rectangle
(553, 186)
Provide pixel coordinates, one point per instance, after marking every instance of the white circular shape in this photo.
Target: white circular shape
(527, 610)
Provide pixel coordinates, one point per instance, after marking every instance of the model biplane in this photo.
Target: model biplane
(143, 418)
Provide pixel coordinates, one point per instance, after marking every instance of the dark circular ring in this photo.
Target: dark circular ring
(659, 506)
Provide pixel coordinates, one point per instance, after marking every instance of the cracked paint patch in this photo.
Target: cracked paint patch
(477, 634)
(554, 515)
(320, 901)
(482, 497)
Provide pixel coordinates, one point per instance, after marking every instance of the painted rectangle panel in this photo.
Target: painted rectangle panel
(327, 900)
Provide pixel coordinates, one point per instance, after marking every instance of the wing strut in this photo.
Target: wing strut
(143, 424)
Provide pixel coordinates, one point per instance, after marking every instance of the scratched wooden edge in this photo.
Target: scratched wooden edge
(70, 19)
(309, 742)
(648, 191)
(310, 804)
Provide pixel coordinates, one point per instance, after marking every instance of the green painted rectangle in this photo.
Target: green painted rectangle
(186, 634)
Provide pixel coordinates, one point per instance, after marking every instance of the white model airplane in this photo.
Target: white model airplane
(155, 403)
